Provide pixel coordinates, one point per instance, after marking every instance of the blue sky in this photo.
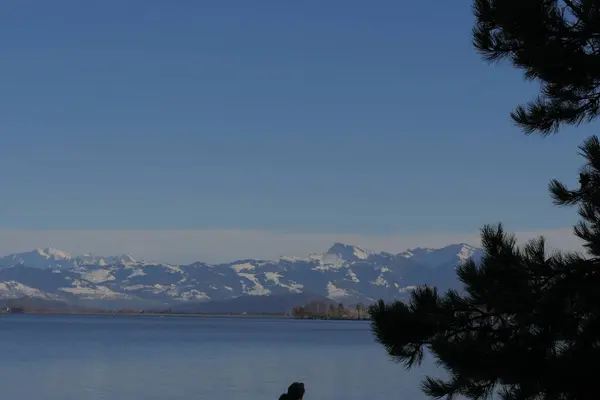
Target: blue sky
(306, 117)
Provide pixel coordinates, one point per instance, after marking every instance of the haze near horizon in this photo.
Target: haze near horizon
(215, 131)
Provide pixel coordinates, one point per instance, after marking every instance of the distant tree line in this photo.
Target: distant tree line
(322, 310)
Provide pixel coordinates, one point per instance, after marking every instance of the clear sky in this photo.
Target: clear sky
(344, 117)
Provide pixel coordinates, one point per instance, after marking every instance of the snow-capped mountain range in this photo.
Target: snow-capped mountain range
(343, 273)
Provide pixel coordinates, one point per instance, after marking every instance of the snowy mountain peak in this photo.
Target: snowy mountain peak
(466, 251)
(52, 253)
(90, 259)
(348, 252)
(125, 259)
(460, 252)
(52, 258)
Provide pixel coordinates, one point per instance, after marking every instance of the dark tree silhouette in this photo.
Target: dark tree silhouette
(332, 311)
(341, 310)
(555, 42)
(527, 325)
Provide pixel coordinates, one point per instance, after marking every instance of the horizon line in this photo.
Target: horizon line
(184, 246)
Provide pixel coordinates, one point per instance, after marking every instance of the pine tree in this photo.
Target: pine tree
(527, 325)
(555, 42)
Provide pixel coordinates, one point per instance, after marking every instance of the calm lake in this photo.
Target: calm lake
(150, 357)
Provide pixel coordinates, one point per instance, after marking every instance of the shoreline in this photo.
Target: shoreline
(172, 314)
(133, 313)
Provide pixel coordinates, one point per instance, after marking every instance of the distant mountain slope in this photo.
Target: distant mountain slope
(33, 304)
(344, 273)
(278, 304)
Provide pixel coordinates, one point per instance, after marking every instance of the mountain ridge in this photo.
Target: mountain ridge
(344, 273)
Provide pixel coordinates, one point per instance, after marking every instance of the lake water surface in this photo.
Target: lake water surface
(150, 357)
